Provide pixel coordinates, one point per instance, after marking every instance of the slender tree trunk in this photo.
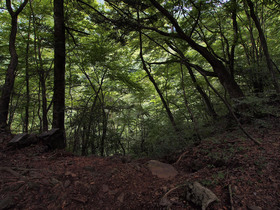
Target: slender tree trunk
(151, 78)
(84, 141)
(11, 71)
(59, 70)
(253, 57)
(41, 73)
(204, 96)
(168, 111)
(264, 46)
(195, 124)
(104, 132)
(42, 77)
(26, 119)
(235, 39)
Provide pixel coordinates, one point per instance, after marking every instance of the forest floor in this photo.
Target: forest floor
(242, 175)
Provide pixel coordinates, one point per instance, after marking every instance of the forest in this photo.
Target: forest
(139, 77)
(139, 104)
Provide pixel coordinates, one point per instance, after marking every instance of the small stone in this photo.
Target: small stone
(235, 189)
(67, 183)
(253, 207)
(68, 173)
(121, 197)
(165, 202)
(105, 188)
(164, 189)
(80, 198)
(54, 181)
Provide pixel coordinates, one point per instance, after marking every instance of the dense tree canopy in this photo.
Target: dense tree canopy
(141, 76)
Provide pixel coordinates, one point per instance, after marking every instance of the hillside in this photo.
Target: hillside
(241, 174)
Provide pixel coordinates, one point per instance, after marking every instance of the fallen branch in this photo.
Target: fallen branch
(230, 197)
(231, 112)
(180, 157)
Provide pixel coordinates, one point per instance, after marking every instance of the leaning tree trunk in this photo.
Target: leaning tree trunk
(151, 78)
(11, 72)
(264, 46)
(59, 70)
(206, 99)
(219, 68)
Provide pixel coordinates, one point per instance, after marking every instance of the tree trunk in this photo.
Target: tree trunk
(11, 71)
(59, 68)
(151, 78)
(41, 74)
(264, 46)
(104, 131)
(26, 119)
(204, 96)
(195, 124)
(235, 38)
(223, 74)
(42, 77)
(253, 58)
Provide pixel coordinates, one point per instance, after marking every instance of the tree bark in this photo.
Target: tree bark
(235, 39)
(11, 71)
(193, 119)
(189, 66)
(41, 74)
(42, 77)
(104, 131)
(204, 96)
(59, 68)
(26, 119)
(151, 78)
(224, 76)
(264, 46)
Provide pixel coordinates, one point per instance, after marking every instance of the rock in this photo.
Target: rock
(23, 140)
(67, 183)
(80, 198)
(199, 195)
(165, 202)
(121, 197)
(69, 173)
(105, 188)
(253, 207)
(162, 170)
(54, 139)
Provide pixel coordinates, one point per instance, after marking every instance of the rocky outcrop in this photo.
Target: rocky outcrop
(199, 195)
(23, 140)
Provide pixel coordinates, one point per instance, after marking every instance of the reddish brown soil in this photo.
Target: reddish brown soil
(229, 162)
